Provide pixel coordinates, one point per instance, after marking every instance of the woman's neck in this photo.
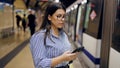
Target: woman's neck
(55, 31)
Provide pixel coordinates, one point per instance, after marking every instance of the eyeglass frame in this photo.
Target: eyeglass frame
(62, 17)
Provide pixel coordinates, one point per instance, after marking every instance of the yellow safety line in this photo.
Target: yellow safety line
(71, 65)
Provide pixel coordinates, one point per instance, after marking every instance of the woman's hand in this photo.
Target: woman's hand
(68, 56)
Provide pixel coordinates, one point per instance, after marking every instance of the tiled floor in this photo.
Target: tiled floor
(22, 60)
(11, 42)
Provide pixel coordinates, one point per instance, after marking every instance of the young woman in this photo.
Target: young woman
(50, 46)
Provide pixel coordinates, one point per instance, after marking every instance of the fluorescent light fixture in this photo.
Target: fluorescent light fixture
(56, 0)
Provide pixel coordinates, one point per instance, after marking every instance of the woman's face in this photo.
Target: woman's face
(57, 19)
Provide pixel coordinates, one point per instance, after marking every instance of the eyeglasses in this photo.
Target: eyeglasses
(60, 17)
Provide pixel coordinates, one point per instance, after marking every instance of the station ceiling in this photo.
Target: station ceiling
(67, 2)
(37, 3)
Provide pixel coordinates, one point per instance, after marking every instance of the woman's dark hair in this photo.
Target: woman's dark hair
(50, 10)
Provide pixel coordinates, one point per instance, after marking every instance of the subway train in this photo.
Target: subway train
(95, 25)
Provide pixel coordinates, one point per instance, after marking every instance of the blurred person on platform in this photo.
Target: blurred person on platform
(31, 22)
(24, 22)
(50, 46)
(18, 19)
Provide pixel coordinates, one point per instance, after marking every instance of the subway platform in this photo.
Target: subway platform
(15, 52)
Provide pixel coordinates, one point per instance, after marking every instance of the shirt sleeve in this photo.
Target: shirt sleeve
(38, 50)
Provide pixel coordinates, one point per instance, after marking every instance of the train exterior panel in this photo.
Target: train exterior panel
(92, 45)
(92, 50)
(114, 62)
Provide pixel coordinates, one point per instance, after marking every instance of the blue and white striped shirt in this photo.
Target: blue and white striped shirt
(43, 54)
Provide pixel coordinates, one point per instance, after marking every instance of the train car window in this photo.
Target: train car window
(81, 16)
(73, 16)
(87, 16)
(93, 19)
(116, 32)
(73, 19)
(67, 22)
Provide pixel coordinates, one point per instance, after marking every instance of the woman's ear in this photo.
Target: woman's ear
(49, 17)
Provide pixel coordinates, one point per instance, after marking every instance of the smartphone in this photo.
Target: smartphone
(78, 49)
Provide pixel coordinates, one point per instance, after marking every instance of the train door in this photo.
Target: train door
(110, 51)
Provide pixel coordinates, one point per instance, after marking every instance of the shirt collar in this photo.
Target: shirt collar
(51, 33)
(60, 33)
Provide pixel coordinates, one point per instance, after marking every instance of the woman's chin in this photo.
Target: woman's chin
(60, 27)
